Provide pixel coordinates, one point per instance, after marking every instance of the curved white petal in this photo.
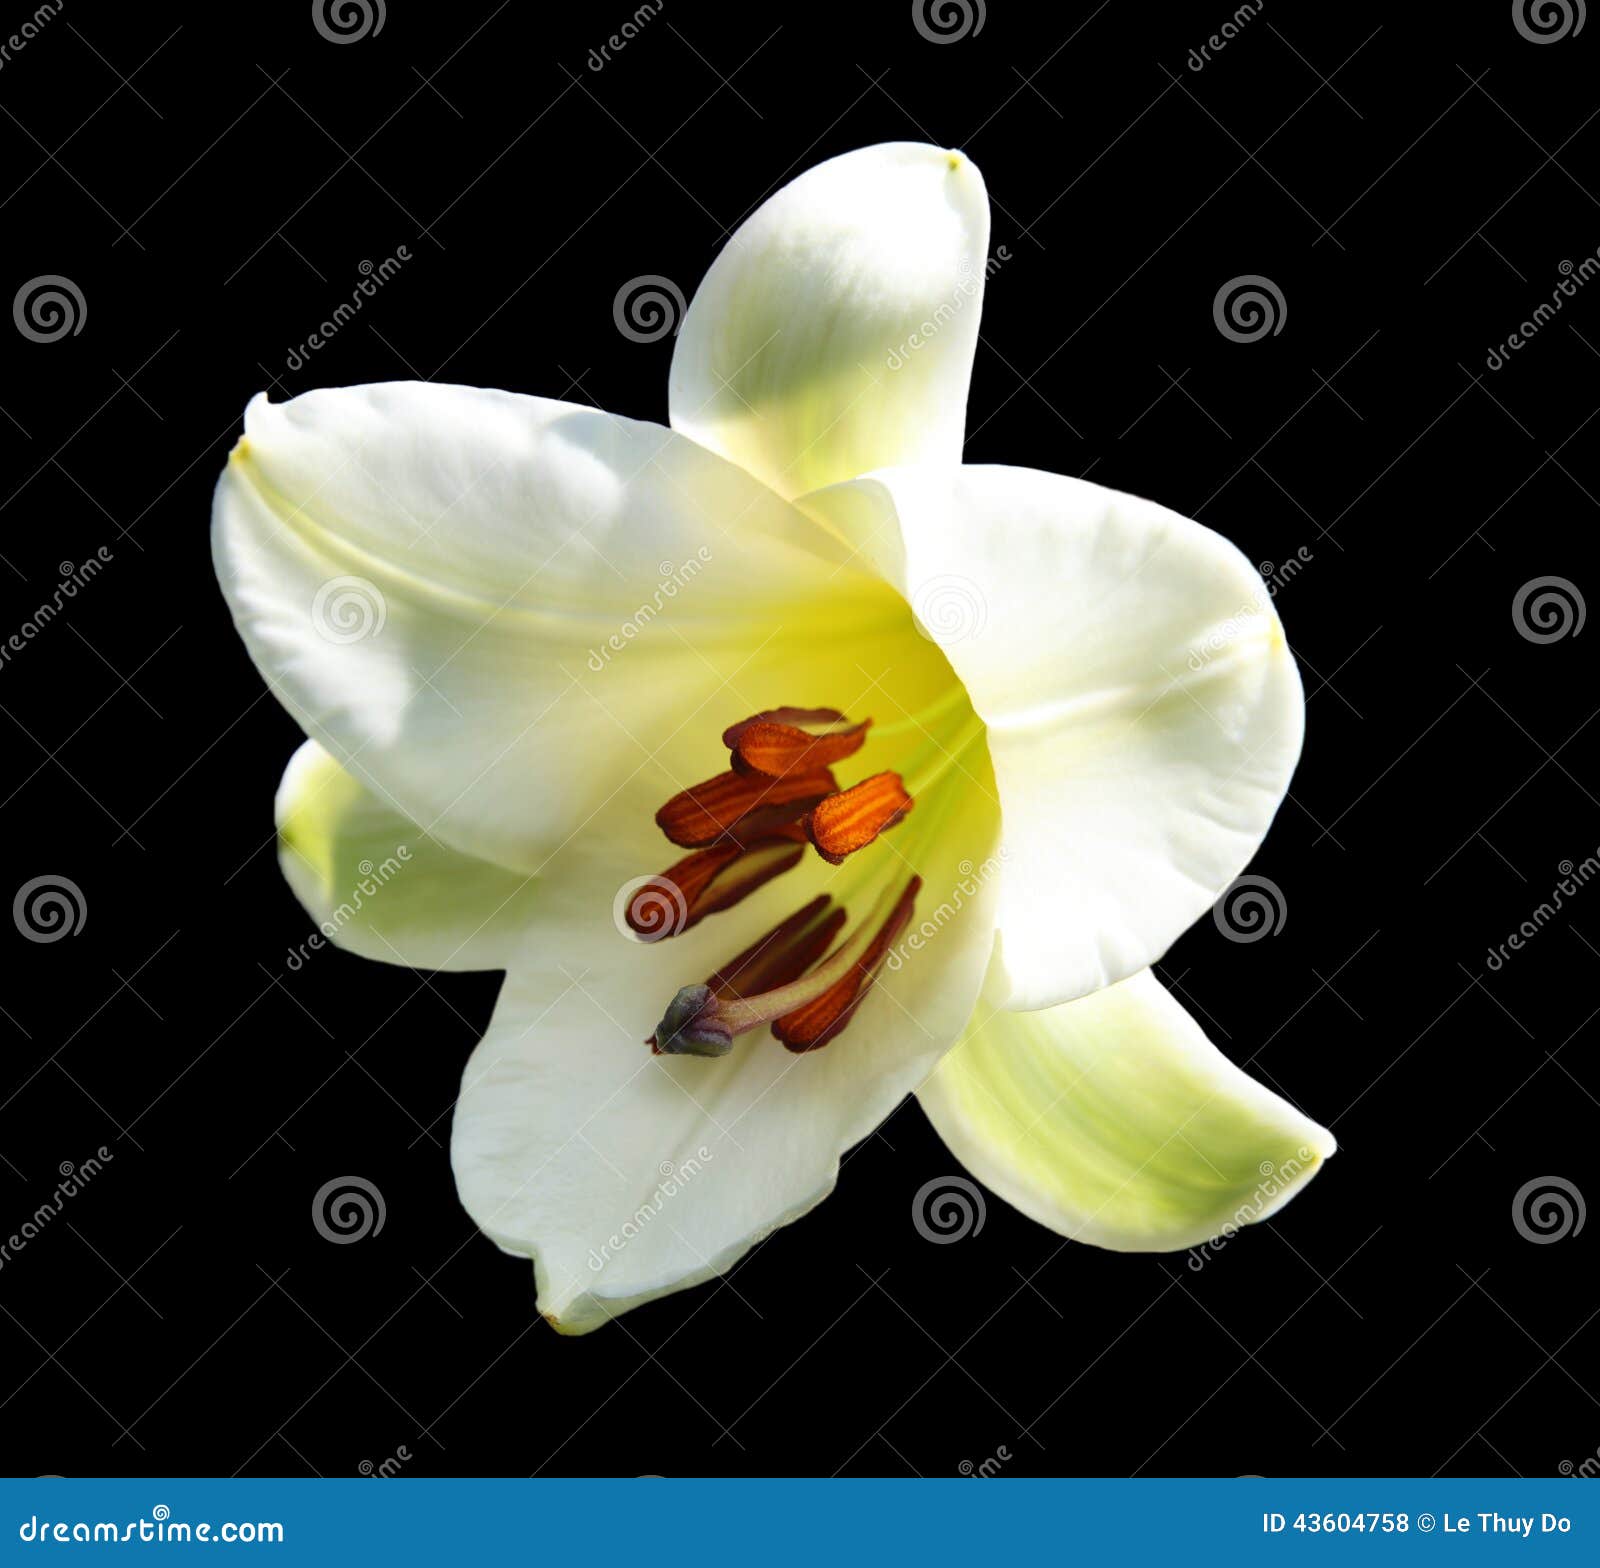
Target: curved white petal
(376, 884)
(1114, 1120)
(494, 609)
(627, 1176)
(1144, 712)
(835, 332)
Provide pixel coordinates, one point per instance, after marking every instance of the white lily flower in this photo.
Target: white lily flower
(513, 628)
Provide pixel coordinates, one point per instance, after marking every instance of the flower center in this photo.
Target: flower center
(748, 825)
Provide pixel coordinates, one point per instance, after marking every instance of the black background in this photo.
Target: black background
(1411, 178)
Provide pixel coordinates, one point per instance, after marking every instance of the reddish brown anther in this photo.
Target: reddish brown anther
(793, 740)
(783, 954)
(741, 807)
(853, 818)
(812, 1026)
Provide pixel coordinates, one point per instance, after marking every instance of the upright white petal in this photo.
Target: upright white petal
(835, 332)
(627, 1176)
(1144, 713)
(493, 610)
(373, 882)
(1113, 1120)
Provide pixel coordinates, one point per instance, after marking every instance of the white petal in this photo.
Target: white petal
(1113, 1120)
(376, 884)
(627, 1176)
(494, 609)
(835, 333)
(1144, 713)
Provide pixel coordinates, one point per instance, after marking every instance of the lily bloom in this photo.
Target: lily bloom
(786, 765)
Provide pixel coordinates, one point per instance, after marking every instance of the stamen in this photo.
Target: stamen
(850, 820)
(710, 880)
(739, 807)
(811, 1027)
(793, 740)
(806, 1012)
(782, 955)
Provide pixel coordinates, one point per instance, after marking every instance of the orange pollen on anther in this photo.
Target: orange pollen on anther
(793, 740)
(843, 823)
(741, 807)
